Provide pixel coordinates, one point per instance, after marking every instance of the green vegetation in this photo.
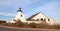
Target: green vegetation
(1, 21)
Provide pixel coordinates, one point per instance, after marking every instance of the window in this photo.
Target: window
(37, 19)
(41, 19)
(48, 19)
(21, 15)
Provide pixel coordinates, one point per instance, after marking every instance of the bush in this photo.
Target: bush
(19, 24)
(42, 26)
(57, 26)
(32, 25)
(1, 21)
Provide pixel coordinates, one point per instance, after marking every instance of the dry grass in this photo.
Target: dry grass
(31, 25)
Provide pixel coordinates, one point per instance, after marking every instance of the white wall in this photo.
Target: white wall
(18, 16)
(52, 21)
(39, 16)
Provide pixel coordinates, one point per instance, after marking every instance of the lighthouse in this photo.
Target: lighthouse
(20, 16)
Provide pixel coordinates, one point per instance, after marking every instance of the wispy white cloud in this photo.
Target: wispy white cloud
(50, 9)
(7, 3)
(6, 14)
(27, 2)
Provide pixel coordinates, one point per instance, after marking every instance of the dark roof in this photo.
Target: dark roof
(19, 10)
(32, 16)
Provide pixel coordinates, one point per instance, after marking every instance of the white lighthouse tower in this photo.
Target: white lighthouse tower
(19, 16)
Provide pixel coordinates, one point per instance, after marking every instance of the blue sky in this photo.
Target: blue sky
(8, 8)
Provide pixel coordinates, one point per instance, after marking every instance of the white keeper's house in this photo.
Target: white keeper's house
(36, 18)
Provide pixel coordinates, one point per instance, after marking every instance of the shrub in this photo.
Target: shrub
(32, 25)
(1, 21)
